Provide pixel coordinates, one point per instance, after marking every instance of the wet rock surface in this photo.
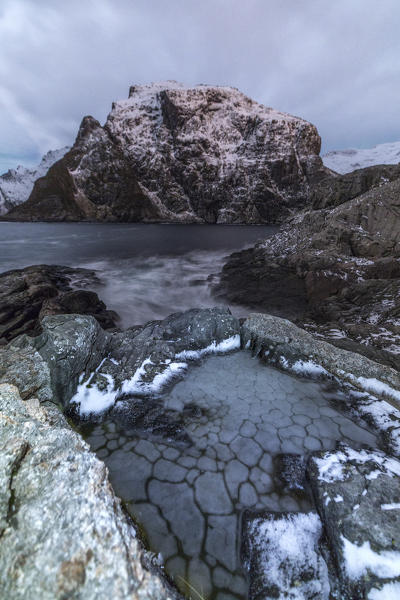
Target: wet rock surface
(27, 295)
(339, 267)
(357, 496)
(63, 532)
(169, 153)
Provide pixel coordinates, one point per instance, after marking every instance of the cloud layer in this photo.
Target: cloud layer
(335, 63)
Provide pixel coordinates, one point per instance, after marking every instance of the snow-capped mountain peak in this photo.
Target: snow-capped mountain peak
(17, 184)
(345, 161)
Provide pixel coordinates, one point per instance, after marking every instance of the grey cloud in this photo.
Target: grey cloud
(334, 63)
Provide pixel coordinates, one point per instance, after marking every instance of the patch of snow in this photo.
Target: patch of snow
(308, 367)
(137, 385)
(390, 591)
(393, 506)
(228, 345)
(288, 546)
(330, 466)
(361, 559)
(345, 161)
(91, 399)
(378, 387)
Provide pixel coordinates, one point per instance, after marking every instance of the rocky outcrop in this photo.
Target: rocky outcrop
(177, 154)
(46, 470)
(28, 295)
(372, 389)
(63, 533)
(17, 184)
(356, 494)
(335, 271)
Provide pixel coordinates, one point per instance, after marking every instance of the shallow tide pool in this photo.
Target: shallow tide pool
(240, 415)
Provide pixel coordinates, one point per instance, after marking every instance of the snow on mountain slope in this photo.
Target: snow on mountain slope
(345, 161)
(17, 184)
(173, 153)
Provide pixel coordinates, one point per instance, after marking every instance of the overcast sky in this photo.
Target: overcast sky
(335, 63)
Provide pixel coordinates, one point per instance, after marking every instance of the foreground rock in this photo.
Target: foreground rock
(73, 362)
(139, 361)
(335, 271)
(373, 389)
(27, 295)
(357, 496)
(63, 532)
(171, 153)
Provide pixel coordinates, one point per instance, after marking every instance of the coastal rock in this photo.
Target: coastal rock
(63, 532)
(27, 295)
(357, 496)
(94, 367)
(171, 153)
(335, 271)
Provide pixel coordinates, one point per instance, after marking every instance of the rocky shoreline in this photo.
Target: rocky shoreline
(333, 269)
(47, 471)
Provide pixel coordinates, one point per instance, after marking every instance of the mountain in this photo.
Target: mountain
(17, 184)
(345, 161)
(171, 153)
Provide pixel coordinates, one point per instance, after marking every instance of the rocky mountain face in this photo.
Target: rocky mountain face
(345, 161)
(335, 270)
(170, 153)
(17, 184)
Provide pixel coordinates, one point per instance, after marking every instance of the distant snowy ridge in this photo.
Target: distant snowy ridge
(345, 161)
(17, 184)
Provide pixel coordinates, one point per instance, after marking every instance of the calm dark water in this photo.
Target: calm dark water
(148, 271)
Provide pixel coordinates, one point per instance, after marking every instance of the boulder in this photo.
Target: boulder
(27, 295)
(357, 496)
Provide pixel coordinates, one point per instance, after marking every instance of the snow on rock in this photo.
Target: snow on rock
(362, 528)
(17, 184)
(281, 552)
(92, 399)
(185, 154)
(345, 161)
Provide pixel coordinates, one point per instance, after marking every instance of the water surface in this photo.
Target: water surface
(149, 271)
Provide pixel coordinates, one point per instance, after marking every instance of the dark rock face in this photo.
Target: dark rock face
(334, 190)
(27, 295)
(357, 493)
(170, 153)
(335, 271)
